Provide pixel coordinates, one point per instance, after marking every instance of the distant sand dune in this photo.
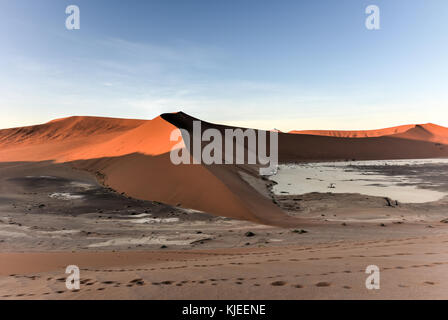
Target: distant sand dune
(424, 132)
(355, 133)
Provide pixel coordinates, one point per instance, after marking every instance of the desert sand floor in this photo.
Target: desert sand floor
(411, 268)
(52, 216)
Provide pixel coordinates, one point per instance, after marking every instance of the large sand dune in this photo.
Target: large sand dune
(132, 156)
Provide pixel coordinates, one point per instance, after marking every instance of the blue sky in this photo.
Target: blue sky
(256, 63)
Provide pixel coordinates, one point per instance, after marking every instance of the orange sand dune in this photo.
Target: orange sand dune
(66, 128)
(78, 138)
(356, 133)
(132, 156)
(149, 138)
(425, 132)
(307, 147)
(402, 142)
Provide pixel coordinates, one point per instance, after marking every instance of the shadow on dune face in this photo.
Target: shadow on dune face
(218, 190)
(293, 148)
(56, 188)
(412, 142)
(215, 189)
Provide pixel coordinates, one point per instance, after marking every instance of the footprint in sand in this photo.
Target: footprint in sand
(278, 283)
(323, 284)
(138, 282)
